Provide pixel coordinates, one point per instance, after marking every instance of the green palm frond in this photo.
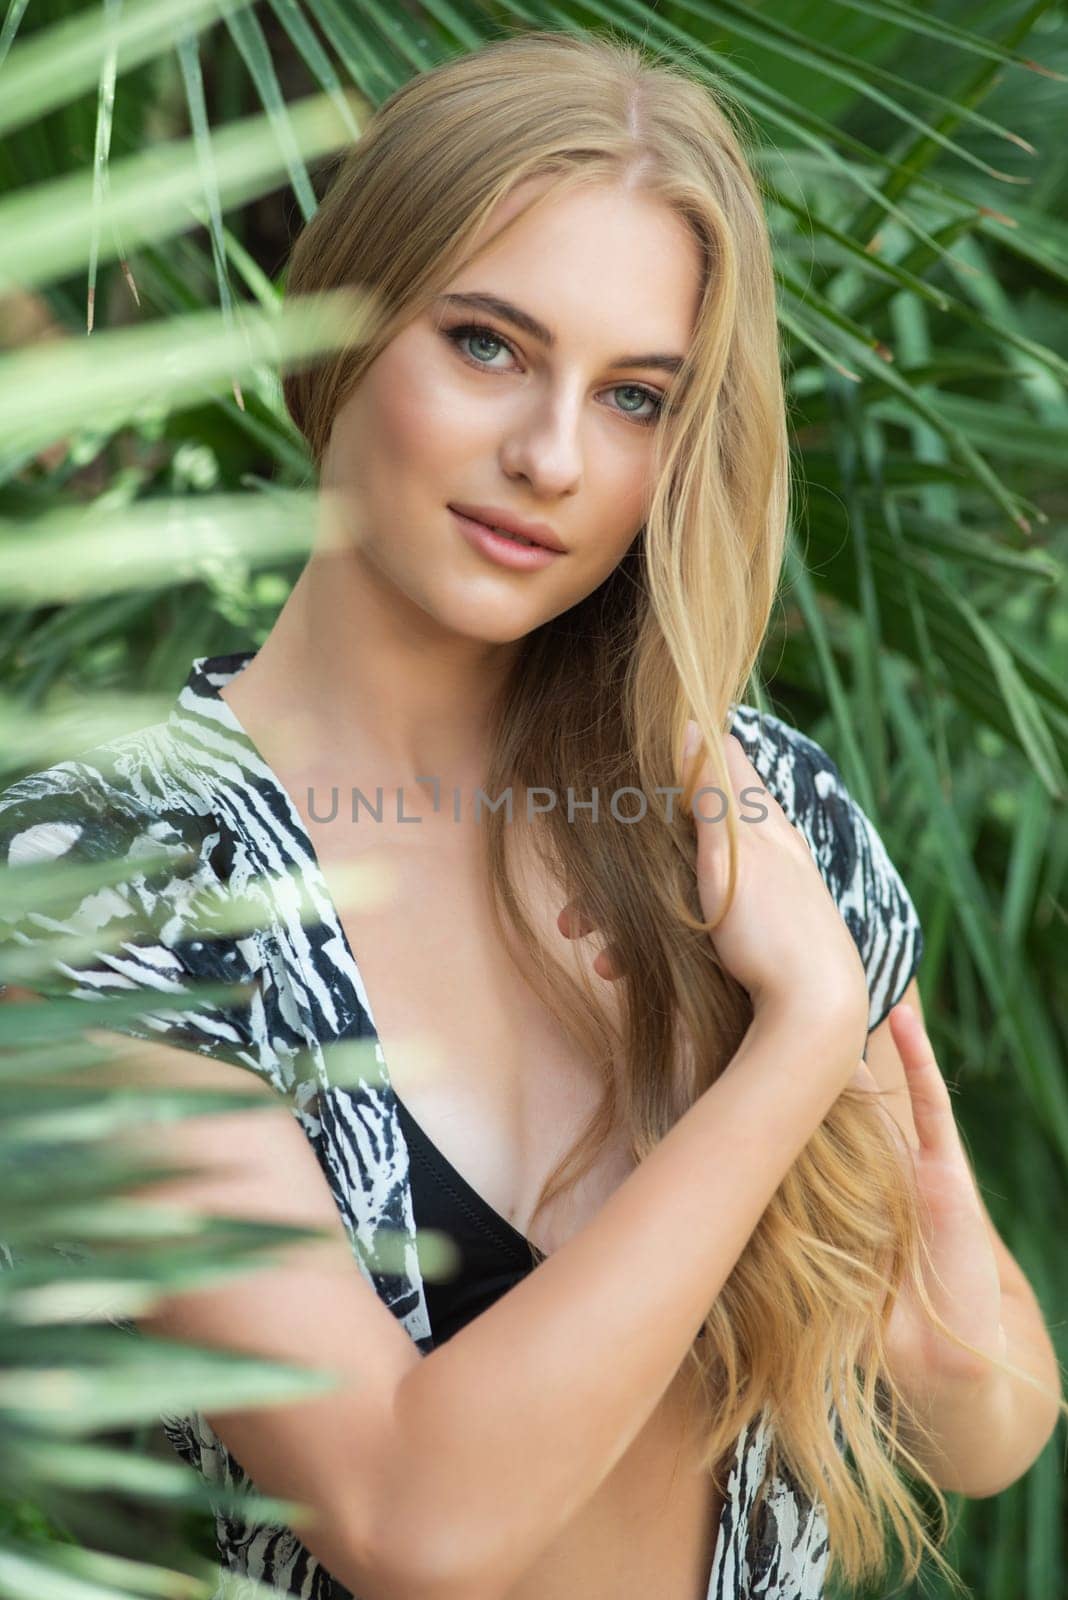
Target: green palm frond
(155, 504)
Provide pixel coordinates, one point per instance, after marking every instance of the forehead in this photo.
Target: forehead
(597, 264)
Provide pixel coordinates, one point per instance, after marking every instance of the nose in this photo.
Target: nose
(543, 445)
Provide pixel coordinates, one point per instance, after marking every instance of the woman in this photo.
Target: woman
(672, 1206)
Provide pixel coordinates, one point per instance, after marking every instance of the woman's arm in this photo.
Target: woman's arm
(505, 1431)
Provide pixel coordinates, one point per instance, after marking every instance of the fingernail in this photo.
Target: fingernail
(689, 742)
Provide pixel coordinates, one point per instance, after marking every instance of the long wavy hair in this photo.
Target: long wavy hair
(599, 699)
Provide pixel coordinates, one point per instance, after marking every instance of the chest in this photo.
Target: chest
(479, 1060)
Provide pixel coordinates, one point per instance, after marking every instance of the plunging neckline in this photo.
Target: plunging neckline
(467, 1189)
(265, 777)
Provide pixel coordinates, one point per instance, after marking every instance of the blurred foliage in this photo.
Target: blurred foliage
(157, 161)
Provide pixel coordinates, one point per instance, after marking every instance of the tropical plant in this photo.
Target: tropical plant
(155, 505)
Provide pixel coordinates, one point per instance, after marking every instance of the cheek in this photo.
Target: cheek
(625, 493)
(418, 416)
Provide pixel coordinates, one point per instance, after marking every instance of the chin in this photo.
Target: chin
(500, 623)
(504, 630)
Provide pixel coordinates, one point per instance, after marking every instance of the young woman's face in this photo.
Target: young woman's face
(471, 406)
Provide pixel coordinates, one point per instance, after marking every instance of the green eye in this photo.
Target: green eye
(474, 332)
(486, 338)
(642, 394)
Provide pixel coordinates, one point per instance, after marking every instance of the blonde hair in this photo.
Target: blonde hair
(599, 700)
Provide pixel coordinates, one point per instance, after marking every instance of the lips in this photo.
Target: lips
(519, 538)
(501, 521)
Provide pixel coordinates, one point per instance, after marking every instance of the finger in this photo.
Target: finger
(695, 755)
(741, 775)
(932, 1108)
(865, 1080)
(573, 922)
(606, 964)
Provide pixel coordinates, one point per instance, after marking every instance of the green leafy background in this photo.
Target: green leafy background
(156, 161)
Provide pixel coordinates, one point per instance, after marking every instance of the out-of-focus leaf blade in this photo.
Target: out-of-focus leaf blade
(248, 35)
(46, 230)
(291, 15)
(47, 391)
(57, 64)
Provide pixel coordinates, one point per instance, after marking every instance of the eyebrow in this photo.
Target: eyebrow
(537, 330)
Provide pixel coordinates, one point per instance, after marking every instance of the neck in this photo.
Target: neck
(355, 679)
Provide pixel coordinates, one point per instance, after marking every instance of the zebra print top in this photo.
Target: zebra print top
(195, 787)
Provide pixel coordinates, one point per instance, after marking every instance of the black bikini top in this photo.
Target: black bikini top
(494, 1255)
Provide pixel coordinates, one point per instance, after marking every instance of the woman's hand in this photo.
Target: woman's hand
(783, 938)
(963, 1280)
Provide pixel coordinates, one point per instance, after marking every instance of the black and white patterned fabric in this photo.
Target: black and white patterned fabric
(196, 788)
